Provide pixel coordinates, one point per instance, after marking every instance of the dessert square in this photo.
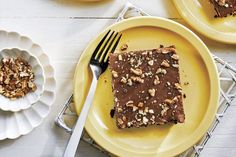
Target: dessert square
(146, 87)
(224, 7)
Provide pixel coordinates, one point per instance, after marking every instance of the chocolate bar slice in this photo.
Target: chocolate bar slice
(224, 8)
(146, 87)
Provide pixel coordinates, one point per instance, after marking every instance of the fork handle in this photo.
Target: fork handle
(78, 129)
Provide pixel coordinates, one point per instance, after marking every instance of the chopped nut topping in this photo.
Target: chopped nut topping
(168, 101)
(177, 85)
(175, 57)
(123, 80)
(164, 51)
(151, 62)
(129, 82)
(175, 99)
(135, 108)
(165, 64)
(161, 71)
(221, 2)
(123, 118)
(140, 112)
(143, 75)
(148, 73)
(146, 109)
(137, 79)
(124, 47)
(119, 109)
(130, 103)
(120, 57)
(145, 120)
(168, 83)
(114, 74)
(129, 124)
(136, 71)
(164, 110)
(152, 92)
(151, 111)
(144, 53)
(120, 121)
(132, 61)
(157, 80)
(175, 65)
(24, 74)
(140, 104)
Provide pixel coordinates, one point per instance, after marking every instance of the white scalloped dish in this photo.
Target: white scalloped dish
(15, 124)
(31, 97)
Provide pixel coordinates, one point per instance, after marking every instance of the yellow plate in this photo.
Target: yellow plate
(200, 15)
(196, 67)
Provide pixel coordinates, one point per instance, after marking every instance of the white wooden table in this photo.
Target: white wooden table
(63, 28)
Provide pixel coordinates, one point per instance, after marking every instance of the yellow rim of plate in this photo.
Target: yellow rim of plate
(204, 29)
(204, 53)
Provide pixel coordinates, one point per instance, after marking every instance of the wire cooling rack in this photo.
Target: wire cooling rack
(227, 75)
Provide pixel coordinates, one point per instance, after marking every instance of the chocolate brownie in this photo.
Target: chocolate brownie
(224, 7)
(146, 87)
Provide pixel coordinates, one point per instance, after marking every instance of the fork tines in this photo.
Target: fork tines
(107, 45)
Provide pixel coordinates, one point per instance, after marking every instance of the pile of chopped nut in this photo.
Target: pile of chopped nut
(16, 78)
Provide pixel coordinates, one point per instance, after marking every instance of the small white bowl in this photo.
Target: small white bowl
(32, 97)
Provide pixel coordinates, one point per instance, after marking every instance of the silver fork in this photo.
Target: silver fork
(98, 64)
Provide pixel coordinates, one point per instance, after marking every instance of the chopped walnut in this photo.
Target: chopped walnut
(120, 121)
(140, 104)
(161, 71)
(169, 101)
(129, 124)
(164, 110)
(123, 80)
(16, 78)
(164, 51)
(130, 103)
(151, 62)
(157, 80)
(130, 83)
(145, 120)
(136, 71)
(114, 73)
(124, 47)
(221, 2)
(135, 108)
(137, 79)
(175, 57)
(178, 86)
(152, 92)
(151, 111)
(165, 64)
(168, 83)
(146, 109)
(119, 109)
(123, 118)
(175, 65)
(175, 99)
(120, 57)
